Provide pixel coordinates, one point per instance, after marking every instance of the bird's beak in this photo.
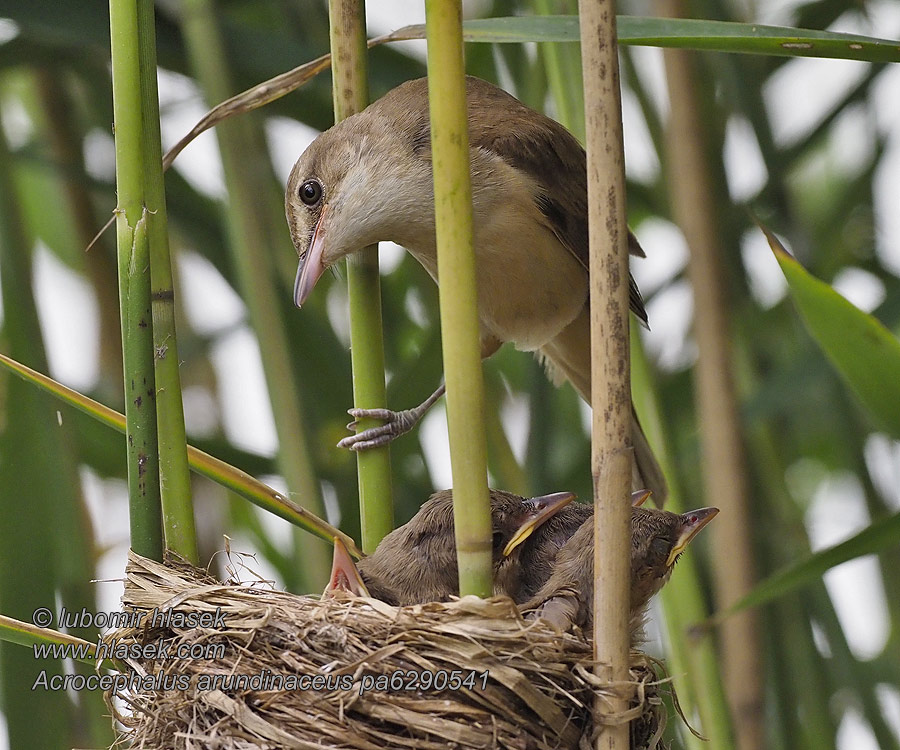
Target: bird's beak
(544, 506)
(344, 573)
(639, 497)
(311, 265)
(693, 521)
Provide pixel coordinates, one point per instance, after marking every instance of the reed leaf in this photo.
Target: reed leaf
(202, 463)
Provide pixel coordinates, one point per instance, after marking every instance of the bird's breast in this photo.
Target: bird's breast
(530, 287)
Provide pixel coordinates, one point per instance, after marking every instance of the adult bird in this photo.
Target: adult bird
(369, 179)
(658, 538)
(416, 562)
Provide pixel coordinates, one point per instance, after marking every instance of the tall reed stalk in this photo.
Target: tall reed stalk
(611, 451)
(133, 246)
(458, 294)
(175, 481)
(351, 95)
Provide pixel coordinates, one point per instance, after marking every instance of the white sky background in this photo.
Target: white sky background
(797, 97)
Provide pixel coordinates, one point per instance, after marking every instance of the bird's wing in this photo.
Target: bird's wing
(552, 157)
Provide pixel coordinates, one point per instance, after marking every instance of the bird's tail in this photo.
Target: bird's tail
(568, 357)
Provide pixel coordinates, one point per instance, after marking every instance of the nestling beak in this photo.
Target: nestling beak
(311, 264)
(639, 497)
(544, 506)
(694, 520)
(344, 573)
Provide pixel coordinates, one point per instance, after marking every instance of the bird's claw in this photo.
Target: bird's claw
(396, 424)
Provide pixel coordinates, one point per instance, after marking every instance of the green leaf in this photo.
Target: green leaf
(862, 350)
(202, 463)
(875, 538)
(690, 33)
(26, 634)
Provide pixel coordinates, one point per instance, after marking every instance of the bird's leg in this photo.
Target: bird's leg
(396, 423)
(560, 611)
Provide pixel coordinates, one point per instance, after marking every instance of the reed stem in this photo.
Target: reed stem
(134, 284)
(611, 450)
(458, 294)
(351, 95)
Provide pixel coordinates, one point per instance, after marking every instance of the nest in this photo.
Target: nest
(238, 666)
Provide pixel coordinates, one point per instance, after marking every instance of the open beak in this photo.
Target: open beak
(311, 266)
(544, 506)
(344, 573)
(639, 497)
(692, 522)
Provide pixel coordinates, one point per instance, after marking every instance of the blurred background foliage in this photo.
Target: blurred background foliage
(818, 470)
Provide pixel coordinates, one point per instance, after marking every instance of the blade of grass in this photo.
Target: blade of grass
(458, 295)
(872, 539)
(862, 350)
(351, 95)
(684, 33)
(26, 634)
(202, 463)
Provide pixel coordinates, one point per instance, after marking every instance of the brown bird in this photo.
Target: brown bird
(523, 577)
(369, 179)
(658, 537)
(416, 562)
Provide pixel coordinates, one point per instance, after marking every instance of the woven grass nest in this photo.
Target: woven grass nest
(538, 692)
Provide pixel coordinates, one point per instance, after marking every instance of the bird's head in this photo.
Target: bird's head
(658, 538)
(358, 183)
(516, 518)
(513, 519)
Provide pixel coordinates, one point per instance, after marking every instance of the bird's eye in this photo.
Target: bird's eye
(310, 192)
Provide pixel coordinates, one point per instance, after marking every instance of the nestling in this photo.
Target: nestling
(534, 563)
(345, 576)
(658, 538)
(369, 179)
(416, 563)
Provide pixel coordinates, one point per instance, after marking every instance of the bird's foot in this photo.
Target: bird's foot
(558, 611)
(396, 423)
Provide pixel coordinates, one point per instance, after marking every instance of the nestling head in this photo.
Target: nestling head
(658, 538)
